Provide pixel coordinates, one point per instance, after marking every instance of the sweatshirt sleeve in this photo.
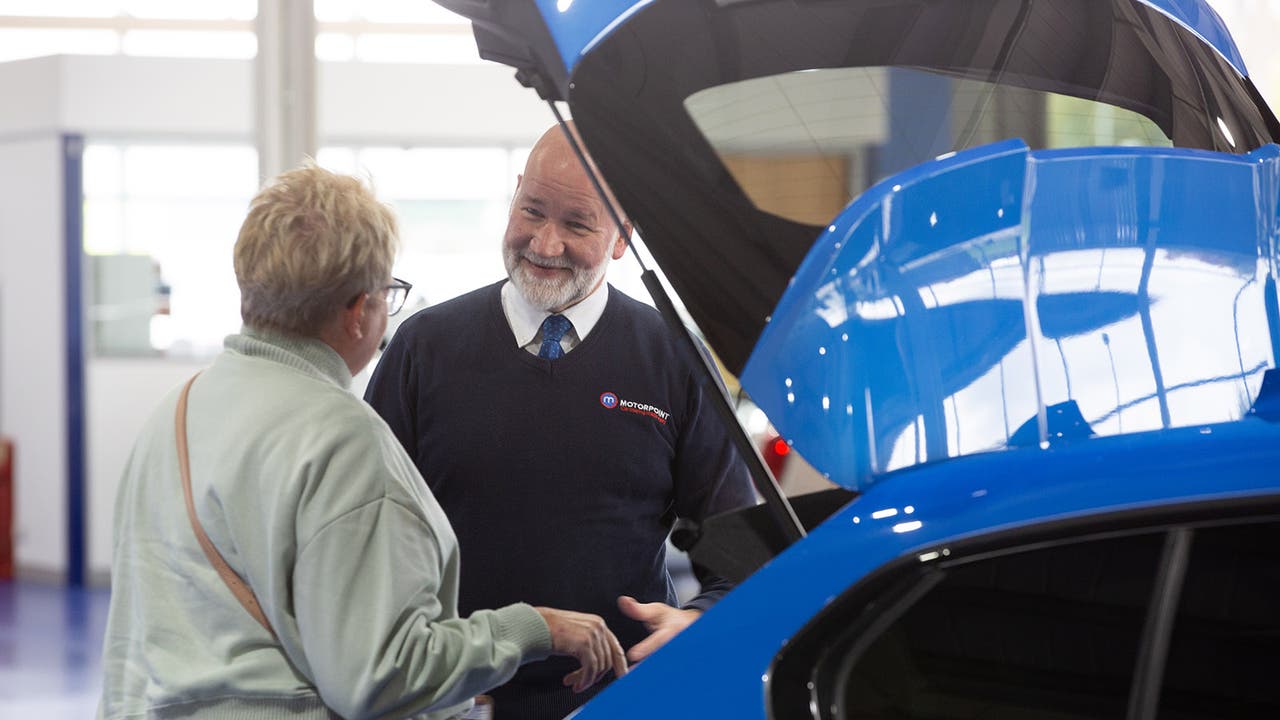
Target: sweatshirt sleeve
(378, 639)
(375, 580)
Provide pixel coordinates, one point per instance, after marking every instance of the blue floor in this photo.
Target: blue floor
(50, 647)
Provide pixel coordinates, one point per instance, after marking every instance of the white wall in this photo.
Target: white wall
(33, 346)
(122, 394)
(1254, 25)
(440, 105)
(119, 97)
(33, 81)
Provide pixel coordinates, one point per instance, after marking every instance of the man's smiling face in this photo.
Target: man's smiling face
(560, 236)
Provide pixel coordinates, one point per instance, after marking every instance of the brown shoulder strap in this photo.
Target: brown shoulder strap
(238, 586)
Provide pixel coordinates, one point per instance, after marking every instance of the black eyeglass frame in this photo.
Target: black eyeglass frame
(396, 293)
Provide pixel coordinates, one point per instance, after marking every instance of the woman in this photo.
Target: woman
(311, 501)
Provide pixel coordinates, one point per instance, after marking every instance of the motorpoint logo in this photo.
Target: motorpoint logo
(611, 401)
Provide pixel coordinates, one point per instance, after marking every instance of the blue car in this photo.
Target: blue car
(1004, 272)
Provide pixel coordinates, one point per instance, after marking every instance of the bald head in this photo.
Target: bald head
(552, 155)
(560, 235)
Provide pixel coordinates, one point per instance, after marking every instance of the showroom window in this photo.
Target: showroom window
(161, 222)
(452, 206)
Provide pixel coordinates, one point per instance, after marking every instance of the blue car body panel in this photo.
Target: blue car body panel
(1002, 297)
(1203, 21)
(577, 26)
(718, 666)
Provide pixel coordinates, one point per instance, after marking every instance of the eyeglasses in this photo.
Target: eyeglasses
(397, 292)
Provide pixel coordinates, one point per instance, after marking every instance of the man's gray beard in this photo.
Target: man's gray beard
(551, 294)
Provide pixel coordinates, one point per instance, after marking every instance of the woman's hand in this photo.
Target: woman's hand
(587, 638)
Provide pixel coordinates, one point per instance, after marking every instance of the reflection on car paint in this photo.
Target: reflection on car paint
(1144, 311)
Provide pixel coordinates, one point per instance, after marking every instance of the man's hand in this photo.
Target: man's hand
(661, 620)
(588, 639)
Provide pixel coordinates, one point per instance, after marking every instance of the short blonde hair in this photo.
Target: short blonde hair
(312, 241)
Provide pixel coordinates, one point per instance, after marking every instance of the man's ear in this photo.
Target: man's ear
(620, 245)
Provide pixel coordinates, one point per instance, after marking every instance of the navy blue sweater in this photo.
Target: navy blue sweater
(561, 478)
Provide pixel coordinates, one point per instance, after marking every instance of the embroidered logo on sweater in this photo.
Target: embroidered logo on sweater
(611, 401)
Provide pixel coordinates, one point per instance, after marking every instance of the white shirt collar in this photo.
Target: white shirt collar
(526, 320)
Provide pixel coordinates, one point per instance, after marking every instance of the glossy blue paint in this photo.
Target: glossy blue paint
(578, 25)
(1001, 297)
(1201, 19)
(717, 667)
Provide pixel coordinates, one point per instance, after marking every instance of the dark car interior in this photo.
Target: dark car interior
(1167, 621)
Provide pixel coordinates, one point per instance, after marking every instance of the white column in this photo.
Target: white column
(285, 92)
(33, 348)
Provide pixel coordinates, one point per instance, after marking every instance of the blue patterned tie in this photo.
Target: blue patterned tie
(553, 328)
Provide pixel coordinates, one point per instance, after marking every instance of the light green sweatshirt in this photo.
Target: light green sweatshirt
(310, 499)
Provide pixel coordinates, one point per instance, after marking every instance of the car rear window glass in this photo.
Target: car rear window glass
(803, 144)
(1058, 630)
(1046, 633)
(1224, 654)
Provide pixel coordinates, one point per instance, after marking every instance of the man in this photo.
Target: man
(562, 430)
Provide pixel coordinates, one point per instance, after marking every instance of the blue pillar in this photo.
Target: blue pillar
(73, 244)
